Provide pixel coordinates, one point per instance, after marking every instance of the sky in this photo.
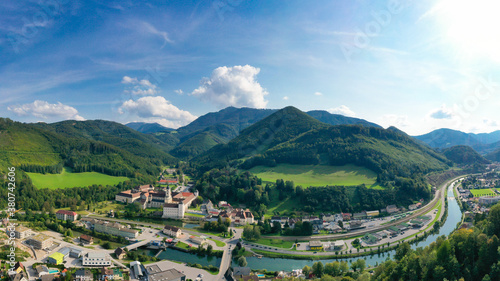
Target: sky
(416, 65)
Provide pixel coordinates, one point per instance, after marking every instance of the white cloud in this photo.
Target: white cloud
(285, 98)
(318, 94)
(398, 121)
(343, 110)
(157, 109)
(147, 27)
(139, 87)
(45, 110)
(442, 113)
(233, 86)
(179, 91)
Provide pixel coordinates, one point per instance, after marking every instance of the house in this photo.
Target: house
(96, 259)
(18, 267)
(206, 206)
(315, 245)
(41, 270)
(172, 231)
(41, 241)
(48, 277)
(391, 209)
(20, 276)
(86, 239)
(346, 216)
(120, 253)
(106, 273)
(161, 272)
(128, 196)
(114, 228)
(83, 275)
(488, 200)
(66, 215)
(372, 213)
(359, 216)
(56, 258)
(198, 240)
(333, 227)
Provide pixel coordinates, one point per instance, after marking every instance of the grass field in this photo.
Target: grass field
(483, 192)
(277, 243)
(317, 175)
(68, 179)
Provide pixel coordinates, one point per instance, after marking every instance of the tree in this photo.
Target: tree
(318, 269)
(209, 249)
(402, 250)
(341, 224)
(358, 265)
(242, 261)
(344, 267)
(306, 270)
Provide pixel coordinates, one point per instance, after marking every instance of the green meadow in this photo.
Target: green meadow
(68, 179)
(483, 192)
(317, 175)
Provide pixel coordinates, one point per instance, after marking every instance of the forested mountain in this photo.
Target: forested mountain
(464, 155)
(279, 127)
(445, 138)
(222, 126)
(148, 127)
(337, 119)
(100, 146)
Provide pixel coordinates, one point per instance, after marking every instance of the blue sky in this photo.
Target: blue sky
(417, 65)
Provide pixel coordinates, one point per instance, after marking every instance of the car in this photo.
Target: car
(315, 252)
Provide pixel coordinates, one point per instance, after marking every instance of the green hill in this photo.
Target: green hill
(99, 146)
(464, 155)
(279, 127)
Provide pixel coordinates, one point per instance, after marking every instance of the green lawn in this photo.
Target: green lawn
(317, 175)
(277, 243)
(217, 242)
(68, 179)
(483, 192)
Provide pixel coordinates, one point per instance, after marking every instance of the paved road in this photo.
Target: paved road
(228, 250)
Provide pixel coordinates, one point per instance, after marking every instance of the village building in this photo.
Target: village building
(41, 241)
(66, 215)
(96, 259)
(172, 231)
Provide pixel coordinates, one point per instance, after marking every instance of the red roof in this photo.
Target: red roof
(68, 213)
(162, 181)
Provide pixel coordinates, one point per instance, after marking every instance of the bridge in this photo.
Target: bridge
(136, 245)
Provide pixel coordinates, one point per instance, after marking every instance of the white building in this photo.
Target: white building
(96, 259)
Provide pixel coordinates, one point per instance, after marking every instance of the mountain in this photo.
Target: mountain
(100, 146)
(293, 137)
(337, 119)
(226, 124)
(483, 143)
(238, 118)
(464, 155)
(278, 127)
(148, 127)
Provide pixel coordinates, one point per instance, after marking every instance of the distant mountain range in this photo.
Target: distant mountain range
(222, 126)
(483, 143)
(148, 127)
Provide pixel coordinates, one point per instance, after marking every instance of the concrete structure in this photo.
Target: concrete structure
(156, 273)
(176, 204)
(172, 231)
(315, 245)
(114, 228)
(136, 268)
(41, 241)
(56, 258)
(21, 232)
(128, 196)
(66, 215)
(489, 200)
(96, 259)
(391, 209)
(372, 213)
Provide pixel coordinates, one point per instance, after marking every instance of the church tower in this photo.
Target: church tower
(168, 195)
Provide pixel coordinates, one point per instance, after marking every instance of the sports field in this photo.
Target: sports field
(317, 175)
(483, 192)
(68, 179)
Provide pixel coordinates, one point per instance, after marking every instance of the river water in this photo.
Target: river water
(277, 264)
